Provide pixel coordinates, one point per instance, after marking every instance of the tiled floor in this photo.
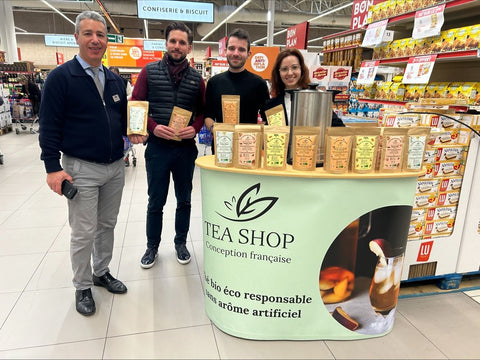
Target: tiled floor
(162, 315)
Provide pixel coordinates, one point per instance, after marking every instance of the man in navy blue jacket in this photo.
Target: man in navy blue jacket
(83, 117)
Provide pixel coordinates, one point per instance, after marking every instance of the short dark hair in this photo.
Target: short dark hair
(177, 25)
(240, 34)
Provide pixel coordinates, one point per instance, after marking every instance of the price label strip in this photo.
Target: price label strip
(428, 22)
(419, 69)
(374, 34)
(367, 73)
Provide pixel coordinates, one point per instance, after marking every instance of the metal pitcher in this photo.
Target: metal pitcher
(311, 107)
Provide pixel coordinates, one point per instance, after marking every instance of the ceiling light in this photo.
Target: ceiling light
(311, 20)
(226, 19)
(58, 11)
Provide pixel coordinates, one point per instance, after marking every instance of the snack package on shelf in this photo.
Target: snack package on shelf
(472, 40)
(447, 39)
(441, 213)
(414, 92)
(459, 43)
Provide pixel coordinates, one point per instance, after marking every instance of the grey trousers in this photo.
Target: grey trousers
(92, 216)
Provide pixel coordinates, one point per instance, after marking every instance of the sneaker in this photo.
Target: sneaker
(183, 256)
(149, 258)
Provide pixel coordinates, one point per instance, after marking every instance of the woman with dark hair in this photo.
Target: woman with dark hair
(289, 73)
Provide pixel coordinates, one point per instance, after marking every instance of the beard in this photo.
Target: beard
(237, 65)
(175, 60)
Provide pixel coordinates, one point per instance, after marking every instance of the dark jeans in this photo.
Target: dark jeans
(163, 158)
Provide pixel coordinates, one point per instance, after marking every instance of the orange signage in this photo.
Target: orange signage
(131, 54)
(261, 60)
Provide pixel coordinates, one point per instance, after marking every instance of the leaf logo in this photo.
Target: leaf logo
(248, 207)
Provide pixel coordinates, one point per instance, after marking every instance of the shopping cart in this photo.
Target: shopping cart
(22, 115)
(128, 150)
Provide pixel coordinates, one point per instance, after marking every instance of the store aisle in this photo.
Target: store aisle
(162, 315)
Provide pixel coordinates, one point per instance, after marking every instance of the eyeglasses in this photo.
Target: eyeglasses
(286, 68)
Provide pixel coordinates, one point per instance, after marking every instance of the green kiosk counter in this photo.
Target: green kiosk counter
(295, 255)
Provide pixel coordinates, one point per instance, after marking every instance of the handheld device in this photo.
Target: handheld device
(68, 189)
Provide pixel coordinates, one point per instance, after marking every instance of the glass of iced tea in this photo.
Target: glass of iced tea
(337, 275)
(386, 284)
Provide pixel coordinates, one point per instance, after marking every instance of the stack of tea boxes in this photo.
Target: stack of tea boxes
(438, 191)
(5, 115)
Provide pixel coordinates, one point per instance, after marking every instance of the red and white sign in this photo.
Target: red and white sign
(222, 47)
(374, 34)
(259, 62)
(297, 36)
(208, 52)
(428, 22)
(424, 251)
(219, 66)
(321, 76)
(419, 69)
(367, 72)
(360, 12)
(60, 58)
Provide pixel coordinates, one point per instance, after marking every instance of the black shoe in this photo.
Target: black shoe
(110, 283)
(183, 256)
(84, 302)
(149, 258)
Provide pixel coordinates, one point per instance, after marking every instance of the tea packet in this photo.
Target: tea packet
(364, 150)
(179, 120)
(338, 149)
(247, 145)
(275, 144)
(223, 135)
(276, 116)
(417, 138)
(305, 144)
(392, 149)
(137, 117)
(231, 109)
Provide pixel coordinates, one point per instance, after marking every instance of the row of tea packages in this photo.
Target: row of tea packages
(255, 146)
(241, 145)
(375, 149)
(347, 149)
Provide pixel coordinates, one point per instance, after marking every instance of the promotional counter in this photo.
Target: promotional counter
(295, 255)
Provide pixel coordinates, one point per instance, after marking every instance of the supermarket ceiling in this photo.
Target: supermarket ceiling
(39, 17)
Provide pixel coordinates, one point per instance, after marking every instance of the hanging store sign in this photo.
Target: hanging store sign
(374, 34)
(222, 47)
(367, 73)
(175, 10)
(113, 38)
(297, 36)
(131, 53)
(419, 69)
(261, 60)
(60, 40)
(60, 58)
(360, 12)
(428, 22)
(154, 45)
